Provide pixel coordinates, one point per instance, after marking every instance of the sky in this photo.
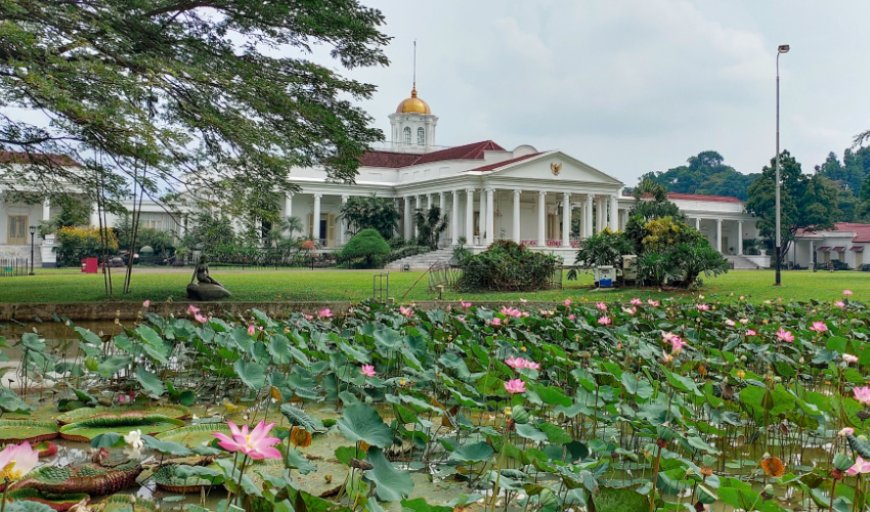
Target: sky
(632, 86)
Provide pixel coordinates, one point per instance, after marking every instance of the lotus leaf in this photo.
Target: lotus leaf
(86, 430)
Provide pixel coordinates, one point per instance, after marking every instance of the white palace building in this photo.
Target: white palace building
(487, 192)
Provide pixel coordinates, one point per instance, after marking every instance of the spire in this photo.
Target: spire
(414, 86)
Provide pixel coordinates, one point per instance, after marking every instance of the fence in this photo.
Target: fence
(10, 267)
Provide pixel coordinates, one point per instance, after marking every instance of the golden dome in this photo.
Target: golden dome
(413, 105)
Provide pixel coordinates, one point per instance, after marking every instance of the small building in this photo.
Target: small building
(838, 248)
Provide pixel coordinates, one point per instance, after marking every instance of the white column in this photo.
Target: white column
(407, 218)
(599, 214)
(288, 210)
(469, 216)
(719, 235)
(428, 201)
(587, 221)
(740, 237)
(516, 216)
(542, 219)
(315, 219)
(566, 219)
(454, 220)
(624, 219)
(698, 223)
(46, 209)
(418, 205)
(490, 216)
(342, 237)
(441, 203)
(481, 218)
(95, 216)
(614, 207)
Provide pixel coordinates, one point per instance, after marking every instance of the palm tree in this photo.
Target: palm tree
(430, 224)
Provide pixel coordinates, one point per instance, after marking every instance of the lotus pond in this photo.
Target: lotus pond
(600, 407)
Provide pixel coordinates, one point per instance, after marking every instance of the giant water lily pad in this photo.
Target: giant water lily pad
(17, 431)
(56, 502)
(123, 503)
(194, 435)
(88, 478)
(168, 479)
(86, 413)
(85, 431)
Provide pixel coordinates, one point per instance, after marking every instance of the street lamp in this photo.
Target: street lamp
(783, 48)
(32, 233)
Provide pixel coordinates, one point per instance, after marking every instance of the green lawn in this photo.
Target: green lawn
(69, 285)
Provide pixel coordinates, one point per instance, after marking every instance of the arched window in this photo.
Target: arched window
(421, 136)
(406, 135)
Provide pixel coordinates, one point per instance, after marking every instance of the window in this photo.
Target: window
(17, 232)
(421, 137)
(406, 135)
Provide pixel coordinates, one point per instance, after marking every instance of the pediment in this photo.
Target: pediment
(556, 166)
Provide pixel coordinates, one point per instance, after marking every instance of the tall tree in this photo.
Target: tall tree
(807, 202)
(371, 212)
(706, 173)
(189, 93)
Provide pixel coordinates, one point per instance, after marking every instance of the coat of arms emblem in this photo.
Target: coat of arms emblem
(556, 167)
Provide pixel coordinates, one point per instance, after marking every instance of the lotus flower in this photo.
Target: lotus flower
(16, 460)
(653, 303)
(255, 443)
(200, 318)
(464, 305)
(251, 329)
(146, 304)
(819, 327)
(407, 312)
(783, 335)
(846, 432)
(519, 363)
(602, 306)
(677, 345)
(751, 332)
(515, 386)
(572, 317)
(636, 302)
(324, 313)
(847, 293)
(703, 307)
(192, 310)
(604, 320)
(567, 303)
(840, 304)
(511, 312)
(496, 321)
(862, 394)
(860, 467)
(368, 370)
(849, 358)
(729, 322)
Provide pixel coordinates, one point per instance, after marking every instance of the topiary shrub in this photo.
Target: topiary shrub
(507, 266)
(367, 249)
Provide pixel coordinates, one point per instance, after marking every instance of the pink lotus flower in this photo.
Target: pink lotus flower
(572, 317)
(653, 303)
(368, 370)
(669, 336)
(729, 322)
(751, 332)
(846, 432)
(252, 329)
(307, 316)
(200, 318)
(511, 311)
(819, 327)
(630, 311)
(602, 306)
(862, 394)
(146, 304)
(604, 320)
(783, 335)
(496, 321)
(16, 460)
(567, 303)
(519, 363)
(636, 302)
(839, 304)
(847, 293)
(407, 312)
(324, 313)
(464, 304)
(744, 321)
(255, 443)
(849, 359)
(703, 307)
(860, 467)
(515, 386)
(677, 345)
(192, 310)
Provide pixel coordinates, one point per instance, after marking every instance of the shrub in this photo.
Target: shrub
(604, 248)
(507, 266)
(371, 212)
(367, 249)
(75, 243)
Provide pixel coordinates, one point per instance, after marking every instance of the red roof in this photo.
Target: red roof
(20, 157)
(703, 197)
(396, 160)
(862, 231)
(496, 165)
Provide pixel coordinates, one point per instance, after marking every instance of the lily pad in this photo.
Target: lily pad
(57, 502)
(85, 431)
(178, 412)
(122, 503)
(17, 431)
(167, 479)
(194, 435)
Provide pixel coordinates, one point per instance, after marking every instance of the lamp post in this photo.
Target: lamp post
(32, 234)
(783, 48)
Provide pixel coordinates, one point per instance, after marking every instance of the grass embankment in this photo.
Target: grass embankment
(262, 285)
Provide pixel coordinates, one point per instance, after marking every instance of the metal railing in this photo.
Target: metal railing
(10, 267)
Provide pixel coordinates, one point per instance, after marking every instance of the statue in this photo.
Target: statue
(204, 287)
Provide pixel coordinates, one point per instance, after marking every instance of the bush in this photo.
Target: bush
(367, 249)
(604, 248)
(75, 243)
(507, 266)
